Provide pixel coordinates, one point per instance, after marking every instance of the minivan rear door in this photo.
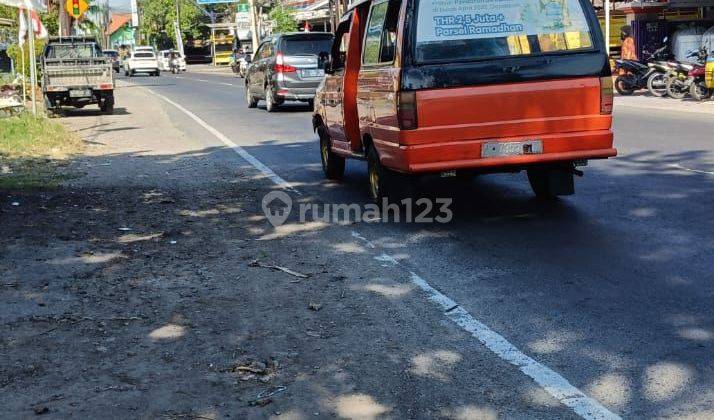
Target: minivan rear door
(498, 68)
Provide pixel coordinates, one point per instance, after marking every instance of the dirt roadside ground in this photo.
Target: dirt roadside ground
(139, 290)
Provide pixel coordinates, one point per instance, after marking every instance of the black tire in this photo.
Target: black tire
(311, 104)
(699, 90)
(250, 99)
(271, 104)
(625, 84)
(126, 72)
(381, 180)
(51, 107)
(107, 105)
(657, 84)
(675, 88)
(550, 182)
(538, 178)
(333, 165)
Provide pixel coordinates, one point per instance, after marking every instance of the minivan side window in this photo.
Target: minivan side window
(373, 34)
(389, 35)
(381, 35)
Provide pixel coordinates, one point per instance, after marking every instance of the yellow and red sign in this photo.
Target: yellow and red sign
(76, 8)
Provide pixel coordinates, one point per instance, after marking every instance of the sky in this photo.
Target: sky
(120, 5)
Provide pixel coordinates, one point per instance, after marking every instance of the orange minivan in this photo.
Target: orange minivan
(466, 86)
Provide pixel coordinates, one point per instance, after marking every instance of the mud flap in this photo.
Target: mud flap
(561, 181)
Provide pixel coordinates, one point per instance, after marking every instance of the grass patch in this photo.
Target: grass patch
(33, 151)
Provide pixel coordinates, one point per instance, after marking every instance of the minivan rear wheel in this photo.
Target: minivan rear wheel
(381, 179)
(333, 165)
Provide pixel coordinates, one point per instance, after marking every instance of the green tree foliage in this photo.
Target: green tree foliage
(15, 53)
(157, 21)
(283, 20)
(49, 19)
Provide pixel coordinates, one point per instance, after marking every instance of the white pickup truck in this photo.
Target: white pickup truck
(142, 61)
(75, 73)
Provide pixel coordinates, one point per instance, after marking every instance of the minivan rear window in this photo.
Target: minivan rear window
(306, 46)
(456, 30)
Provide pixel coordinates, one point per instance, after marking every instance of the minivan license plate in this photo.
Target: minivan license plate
(80, 93)
(512, 148)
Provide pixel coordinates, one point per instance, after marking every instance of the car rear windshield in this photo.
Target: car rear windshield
(73, 51)
(306, 46)
(456, 30)
(143, 55)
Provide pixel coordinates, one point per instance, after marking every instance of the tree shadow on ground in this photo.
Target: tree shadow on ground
(137, 293)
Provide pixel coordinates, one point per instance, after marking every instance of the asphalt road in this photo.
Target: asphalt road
(612, 288)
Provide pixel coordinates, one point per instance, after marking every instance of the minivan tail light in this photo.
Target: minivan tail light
(606, 93)
(281, 67)
(407, 110)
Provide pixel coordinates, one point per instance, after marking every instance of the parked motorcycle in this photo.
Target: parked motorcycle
(683, 76)
(637, 74)
(698, 89)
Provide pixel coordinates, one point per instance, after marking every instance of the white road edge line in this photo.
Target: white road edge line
(551, 381)
(277, 180)
(696, 171)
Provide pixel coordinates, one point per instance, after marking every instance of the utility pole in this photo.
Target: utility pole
(179, 34)
(254, 25)
(33, 62)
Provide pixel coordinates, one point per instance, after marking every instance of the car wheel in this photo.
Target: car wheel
(381, 180)
(550, 182)
(333, 165)
(250, 99)
(311, 104)
(107, 105)
(270, 104)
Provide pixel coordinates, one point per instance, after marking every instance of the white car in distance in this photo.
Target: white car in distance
(142, 61)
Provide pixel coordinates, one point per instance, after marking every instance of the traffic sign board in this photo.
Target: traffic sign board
(76, 8)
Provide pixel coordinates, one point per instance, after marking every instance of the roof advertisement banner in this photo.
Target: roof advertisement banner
(475, 19)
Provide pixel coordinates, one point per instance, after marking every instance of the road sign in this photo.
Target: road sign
(76, 8)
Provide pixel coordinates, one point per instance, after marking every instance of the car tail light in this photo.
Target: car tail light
(281, 67)
(407, 110)
(606, 95)
(104, 86)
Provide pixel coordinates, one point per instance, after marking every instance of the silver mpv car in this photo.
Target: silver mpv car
(287, 67)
